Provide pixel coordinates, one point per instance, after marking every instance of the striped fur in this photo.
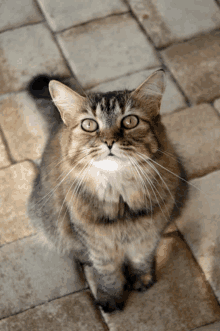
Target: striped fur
(108, 195)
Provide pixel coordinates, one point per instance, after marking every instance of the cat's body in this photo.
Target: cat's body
(108, 185)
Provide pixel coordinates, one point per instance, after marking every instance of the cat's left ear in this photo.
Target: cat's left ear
(67, 101)
(151, 89)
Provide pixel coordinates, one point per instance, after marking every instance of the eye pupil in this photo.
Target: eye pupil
(89, 125)
(130, 121)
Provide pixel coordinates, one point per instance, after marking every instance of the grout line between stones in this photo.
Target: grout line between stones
(207, 172)
(165, 67)
(43, 303)
(98, 308)
(174, 80)
(67, 63)
(198, 265)
(19, 239)
(92, 20)
(209, 324)
(21, 26)
(157, 51)
(184, 40)
(87, 288)
(11, 159)
(122, 76)
(53, 36)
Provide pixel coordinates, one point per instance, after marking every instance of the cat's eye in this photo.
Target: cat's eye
(130, 121)
(89, 125)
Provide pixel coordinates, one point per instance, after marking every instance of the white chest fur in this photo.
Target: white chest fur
(113, 177)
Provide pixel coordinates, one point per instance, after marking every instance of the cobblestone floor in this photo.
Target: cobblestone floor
(106, 45)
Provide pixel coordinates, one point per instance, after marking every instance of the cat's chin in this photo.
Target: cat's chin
(109, 164)
(110, 177)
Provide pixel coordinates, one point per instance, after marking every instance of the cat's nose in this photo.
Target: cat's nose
(109, 143)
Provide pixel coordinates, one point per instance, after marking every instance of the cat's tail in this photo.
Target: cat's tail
(38, 86)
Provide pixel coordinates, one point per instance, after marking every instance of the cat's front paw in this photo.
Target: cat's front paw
(144, 282)
(110, 303)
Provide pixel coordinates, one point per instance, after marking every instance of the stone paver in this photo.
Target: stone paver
(24, 127)
(15, 187)
(65, 14)
(16, 13)
(106, 49)
(4, 157)
(199, 225)
(211, 327)
(180, 300)
(195, 133)
(32, 275)
(172, 99)
(73, 312)
(168, 21)
(217, 105)
(75, 85)
(195, 65)
(26, 52)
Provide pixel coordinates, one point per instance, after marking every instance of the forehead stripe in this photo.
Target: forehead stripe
(108, 102)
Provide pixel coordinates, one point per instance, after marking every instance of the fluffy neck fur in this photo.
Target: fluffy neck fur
(114, 169)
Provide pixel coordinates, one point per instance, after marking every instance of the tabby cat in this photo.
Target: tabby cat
(109, 184)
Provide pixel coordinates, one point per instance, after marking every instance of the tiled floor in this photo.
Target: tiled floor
(108, 45)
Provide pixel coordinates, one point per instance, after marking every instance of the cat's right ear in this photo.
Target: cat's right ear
(67, 101)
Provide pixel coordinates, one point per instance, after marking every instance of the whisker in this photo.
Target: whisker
(70, 189)
(155, 169)
(153, 186)
(142, 182)
(64, 158)
(79, 184)
(172, 156)
(178, 177)
(54, 189)
(73, 191)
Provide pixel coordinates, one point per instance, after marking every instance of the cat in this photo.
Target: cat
(109, 184)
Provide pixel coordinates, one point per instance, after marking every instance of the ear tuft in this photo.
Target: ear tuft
(67, 101)
(153, 85)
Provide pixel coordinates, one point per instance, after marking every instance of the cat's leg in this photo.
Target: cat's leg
(143, 275)
(140, 270)
(110, 283)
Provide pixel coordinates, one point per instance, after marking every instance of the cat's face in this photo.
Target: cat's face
(109, 132)
(114, 130)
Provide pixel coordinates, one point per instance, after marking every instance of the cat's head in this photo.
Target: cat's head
(110, 131)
